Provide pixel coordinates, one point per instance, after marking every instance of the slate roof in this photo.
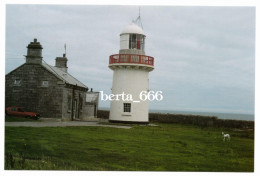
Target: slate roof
(64, 76)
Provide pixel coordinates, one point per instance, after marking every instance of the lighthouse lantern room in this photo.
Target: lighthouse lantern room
(131, 76)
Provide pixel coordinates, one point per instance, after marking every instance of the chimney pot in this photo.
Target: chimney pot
(34, 52)
(61, 63)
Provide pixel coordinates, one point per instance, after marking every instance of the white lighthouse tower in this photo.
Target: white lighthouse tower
(131, 76)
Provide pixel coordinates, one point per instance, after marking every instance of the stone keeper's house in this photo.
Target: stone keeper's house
(49, 90)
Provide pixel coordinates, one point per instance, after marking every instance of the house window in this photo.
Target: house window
(45, 83)
(127, 107)
(17, 82)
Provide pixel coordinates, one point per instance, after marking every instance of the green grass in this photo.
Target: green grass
(169, 147)
(9, 118)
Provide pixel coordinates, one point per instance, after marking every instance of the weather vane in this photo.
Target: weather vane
(138, 20)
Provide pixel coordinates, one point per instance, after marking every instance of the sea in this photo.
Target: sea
(220, 115)
(233, 116)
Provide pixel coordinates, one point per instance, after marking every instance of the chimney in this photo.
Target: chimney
(34, 53)
(61, 63)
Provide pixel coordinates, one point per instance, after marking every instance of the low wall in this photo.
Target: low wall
(104, 114)
(203, 121)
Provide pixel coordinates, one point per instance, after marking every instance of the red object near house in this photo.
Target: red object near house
(22, 112)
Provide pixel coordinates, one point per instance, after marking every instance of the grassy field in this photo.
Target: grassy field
(169, 147)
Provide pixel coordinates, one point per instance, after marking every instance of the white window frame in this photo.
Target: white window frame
(17, 82)
(45, 83)
(127, 107)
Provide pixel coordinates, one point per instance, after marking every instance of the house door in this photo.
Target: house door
(95, 110)
(75, 109)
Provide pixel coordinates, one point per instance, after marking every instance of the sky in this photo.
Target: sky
(204, 56)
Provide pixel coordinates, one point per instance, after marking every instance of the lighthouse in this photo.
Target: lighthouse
(131, 69)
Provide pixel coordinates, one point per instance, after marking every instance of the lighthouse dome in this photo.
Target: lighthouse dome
(132, 29)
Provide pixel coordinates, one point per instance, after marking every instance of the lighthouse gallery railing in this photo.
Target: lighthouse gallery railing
(131, 58)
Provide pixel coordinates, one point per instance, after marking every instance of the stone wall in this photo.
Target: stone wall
(203, 121)
(31, 93)
(54, 100)
(90, 112)
(74, 106)
(90, 108)
(83, 111)
(104, 114)
(80, 97)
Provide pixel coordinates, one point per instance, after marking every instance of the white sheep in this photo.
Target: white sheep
(225, 136)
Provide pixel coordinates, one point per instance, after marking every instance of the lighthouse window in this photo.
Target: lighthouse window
(136, 41)
(127, 107)
(142, 43)
(132, 41)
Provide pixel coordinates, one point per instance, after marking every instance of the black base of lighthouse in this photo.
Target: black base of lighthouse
(128, 122)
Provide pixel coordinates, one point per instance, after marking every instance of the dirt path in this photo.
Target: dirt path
(60, 124)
